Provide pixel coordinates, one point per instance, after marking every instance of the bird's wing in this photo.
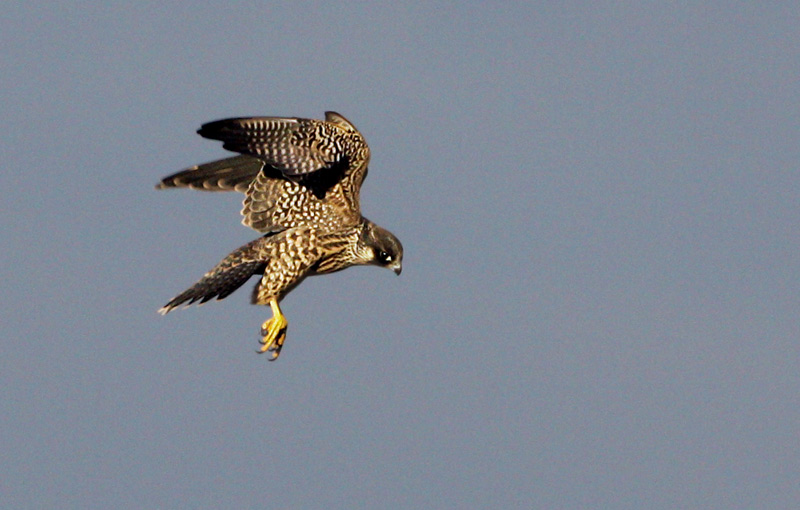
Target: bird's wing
(283, 258)
(293, 171)
(293, 146)
(227, 276)
(312, 173)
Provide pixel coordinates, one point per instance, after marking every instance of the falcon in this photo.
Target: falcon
(301, 179)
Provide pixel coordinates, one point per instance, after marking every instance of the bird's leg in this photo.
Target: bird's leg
(274, 331)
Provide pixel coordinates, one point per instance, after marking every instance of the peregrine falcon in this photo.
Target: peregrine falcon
(301, 179)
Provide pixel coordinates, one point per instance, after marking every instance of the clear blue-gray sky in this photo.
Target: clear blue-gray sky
(600, 208)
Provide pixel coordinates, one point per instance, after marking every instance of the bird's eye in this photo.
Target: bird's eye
(384, 256)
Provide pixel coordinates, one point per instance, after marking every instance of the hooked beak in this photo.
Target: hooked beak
(397, 267)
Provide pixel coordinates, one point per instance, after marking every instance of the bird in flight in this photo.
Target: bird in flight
(301, 179)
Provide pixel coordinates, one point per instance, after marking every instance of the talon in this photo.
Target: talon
(274, 332)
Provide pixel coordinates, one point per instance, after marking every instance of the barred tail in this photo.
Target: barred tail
(229, 174)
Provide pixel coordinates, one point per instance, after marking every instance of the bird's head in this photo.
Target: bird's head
(386, 250)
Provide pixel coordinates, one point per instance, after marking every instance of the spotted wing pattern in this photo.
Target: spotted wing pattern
(301, 180)
(282, 258)
(311, 171)
(293, 146)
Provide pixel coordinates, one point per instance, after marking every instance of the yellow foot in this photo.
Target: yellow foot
(274, 332)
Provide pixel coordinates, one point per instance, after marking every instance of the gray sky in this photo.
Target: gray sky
(599, 205)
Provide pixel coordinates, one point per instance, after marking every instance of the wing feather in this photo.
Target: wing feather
(293, 171)
(227, 276)
(293, 146)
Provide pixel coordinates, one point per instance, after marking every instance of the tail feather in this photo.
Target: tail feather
(229, 174)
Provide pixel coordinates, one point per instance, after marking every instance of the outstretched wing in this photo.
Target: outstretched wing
(227, 276)
(311, 171)
(293, 146)
(283, 258)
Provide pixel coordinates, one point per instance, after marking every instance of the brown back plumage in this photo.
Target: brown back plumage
(301, 179)
(293, 171)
